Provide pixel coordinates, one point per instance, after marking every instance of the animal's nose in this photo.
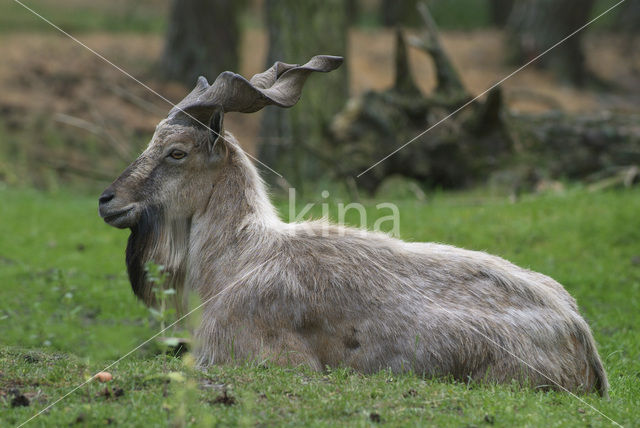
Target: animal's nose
(106, 196)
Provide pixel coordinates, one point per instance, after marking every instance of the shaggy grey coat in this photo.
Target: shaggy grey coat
(322, 295)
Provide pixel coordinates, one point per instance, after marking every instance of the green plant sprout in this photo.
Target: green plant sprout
(157, 276)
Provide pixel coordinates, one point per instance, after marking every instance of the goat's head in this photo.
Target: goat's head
(158, 194)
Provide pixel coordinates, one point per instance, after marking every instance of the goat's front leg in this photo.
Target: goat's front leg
(248, 341)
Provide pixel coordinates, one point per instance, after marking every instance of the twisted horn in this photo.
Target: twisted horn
(280, 85)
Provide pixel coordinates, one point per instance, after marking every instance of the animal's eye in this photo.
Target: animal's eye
(177, 154)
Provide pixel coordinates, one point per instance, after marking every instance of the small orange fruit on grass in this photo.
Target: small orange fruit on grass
(103, 376)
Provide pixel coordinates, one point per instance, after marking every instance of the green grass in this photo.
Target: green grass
(148, 16)
(66, 311)
(460, 14)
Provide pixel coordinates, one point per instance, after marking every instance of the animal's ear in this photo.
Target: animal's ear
(216, 129)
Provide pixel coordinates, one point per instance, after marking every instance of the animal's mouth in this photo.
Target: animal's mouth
(121, 219)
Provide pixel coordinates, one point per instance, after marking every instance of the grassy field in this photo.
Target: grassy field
(80, 16)
(66, 311)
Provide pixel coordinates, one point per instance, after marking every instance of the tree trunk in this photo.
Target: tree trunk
(297, 31)
(399, 13)
(628, 17)
(536, 25)
(202, 39)
(499, 11)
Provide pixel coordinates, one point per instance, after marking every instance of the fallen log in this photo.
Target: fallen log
(482, 140)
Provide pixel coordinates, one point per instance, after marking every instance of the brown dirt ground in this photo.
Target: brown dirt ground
(50, 76)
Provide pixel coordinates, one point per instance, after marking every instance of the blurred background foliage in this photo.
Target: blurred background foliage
(68, 119)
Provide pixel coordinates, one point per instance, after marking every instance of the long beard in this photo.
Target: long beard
(165, 243)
